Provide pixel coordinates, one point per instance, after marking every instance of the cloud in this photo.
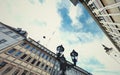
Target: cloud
(66, 21)
(62, 23)
(26, 15)
(32, 1)
(107, 72)
(82, 26)
(41, 1)
(92, 51)
(75, 13)
(70, 21)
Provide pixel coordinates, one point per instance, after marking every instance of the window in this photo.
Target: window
(2, 28)
(7, 70)
(11, 51)
(38, 63)
(15, 36)
(46, 67)
(32, 49)
(33, 61)
(3, 41)
(2, 64)
(110, 29)
(50, 59)
(31, 73)
(35, 50)
(46, 57)
(8, 32)
(18, 53)
(16, 72)
(119, 31)
(25, 72)
(116, 26)
(43, 55)
(38, 53)
(28, 59)
(27, 47)
(42, 65)
(50, 69)
(23, 44)
(23, 56)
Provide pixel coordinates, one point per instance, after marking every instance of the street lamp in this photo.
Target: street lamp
(74, 56)
(60, 50)
(61, 58)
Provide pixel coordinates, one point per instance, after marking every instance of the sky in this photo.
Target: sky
(62, 23)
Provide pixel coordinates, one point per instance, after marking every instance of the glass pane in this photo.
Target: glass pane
(32, 49)
(28, 59)
(23, 56)
(46, 57)
(25, 72)
(33, 61)
(38, 63)
(18, 53)
(23, 44)
(7, 70)
(28, 46)
(11, 51)
(2, 64)
(31, 73)
(46, 67)
(16, 72)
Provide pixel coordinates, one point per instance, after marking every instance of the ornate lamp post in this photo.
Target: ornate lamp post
(74, 56)
(62, 59)
(63, 63)
(60, 50)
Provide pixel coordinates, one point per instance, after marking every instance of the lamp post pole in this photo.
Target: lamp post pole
(60, 50)
(62, 59)
(74, 56)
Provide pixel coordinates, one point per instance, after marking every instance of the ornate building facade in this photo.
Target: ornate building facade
(106, 14)
(20, 55)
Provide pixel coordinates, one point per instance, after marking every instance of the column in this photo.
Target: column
(90, 2)
(112, 33)
(110, 23)
(12, 71)
(4, 68)
(109, 6)
(21, 71)
(114, 14)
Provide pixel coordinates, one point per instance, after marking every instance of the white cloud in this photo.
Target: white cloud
(90, 50)
(74, 13)
(24, 14)
(94, 49)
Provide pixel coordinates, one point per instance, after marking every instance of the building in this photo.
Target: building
(20, 55)
(23, 56)
(106, 13)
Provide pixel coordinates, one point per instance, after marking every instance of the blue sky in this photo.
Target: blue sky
(62, 23)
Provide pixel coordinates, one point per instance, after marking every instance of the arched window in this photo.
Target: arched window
(16, 72)
(11, 51)
(7, 70)
(2, 64)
